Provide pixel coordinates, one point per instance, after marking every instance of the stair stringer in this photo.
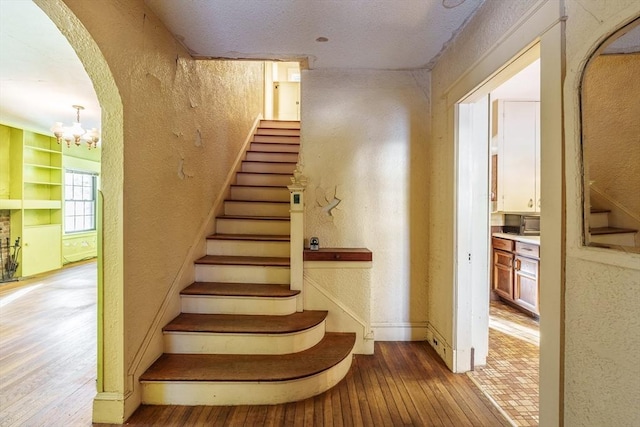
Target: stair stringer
(153, 343)
(340, 317)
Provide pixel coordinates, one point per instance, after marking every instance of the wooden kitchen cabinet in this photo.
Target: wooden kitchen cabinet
(516, 269)
(503, 274)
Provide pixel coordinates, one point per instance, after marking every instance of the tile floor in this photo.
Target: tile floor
(510, 377)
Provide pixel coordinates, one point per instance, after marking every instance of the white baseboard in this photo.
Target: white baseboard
(108, 408)
(441, 346)
(400, 331)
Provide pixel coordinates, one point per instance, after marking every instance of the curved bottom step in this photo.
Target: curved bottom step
(216, 379)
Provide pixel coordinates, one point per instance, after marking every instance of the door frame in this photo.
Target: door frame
(542, 25)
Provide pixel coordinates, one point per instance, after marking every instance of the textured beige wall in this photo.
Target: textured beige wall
(611, 127)
(183, 124)
(364, 137)
(602, 328)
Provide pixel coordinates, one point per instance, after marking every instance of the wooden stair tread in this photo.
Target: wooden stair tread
(611, 230)
(264, 173)
(267, 161)
(596, 210)
(256, 237)
(282, 187)
(255, 218)
(246, 324)
(244, 260)
(271, 152)
(333, 348)
(239, 290)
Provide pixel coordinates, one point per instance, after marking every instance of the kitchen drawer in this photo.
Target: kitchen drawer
(502, 258)
(502, 244)
(527, 266)
(528, 249)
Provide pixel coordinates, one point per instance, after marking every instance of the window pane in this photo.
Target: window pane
(79, 205)
(86, 193)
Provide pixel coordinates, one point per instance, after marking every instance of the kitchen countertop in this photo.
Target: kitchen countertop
(525, 239)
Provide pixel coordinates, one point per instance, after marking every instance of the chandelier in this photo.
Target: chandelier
(75, 132)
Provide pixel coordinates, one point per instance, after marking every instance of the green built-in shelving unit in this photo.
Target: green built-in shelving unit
(31, 180)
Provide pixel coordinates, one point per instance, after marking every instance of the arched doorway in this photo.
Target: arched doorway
(109, 402)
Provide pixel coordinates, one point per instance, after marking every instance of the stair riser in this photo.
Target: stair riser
(198, 342)
(263, 179)
(268, 167)
(599, 220)
(248, 248)
(242, 274)
(284, 132)
(276, 124)
(256, 208)
(288, 148)
(272, 157)
(200, 304)
(276, 139)
(233, 393)
(621, 239)
(260, 194)
(249, 226)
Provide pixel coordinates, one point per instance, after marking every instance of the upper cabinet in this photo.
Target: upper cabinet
(516, 156)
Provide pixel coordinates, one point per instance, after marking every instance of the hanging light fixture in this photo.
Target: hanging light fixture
(75, 132)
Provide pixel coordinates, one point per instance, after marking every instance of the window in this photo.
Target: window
(79, 201)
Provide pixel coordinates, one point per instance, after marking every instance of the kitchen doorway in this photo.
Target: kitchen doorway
(489, 328)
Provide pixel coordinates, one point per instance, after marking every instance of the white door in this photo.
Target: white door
(286, 100)
(471, 340)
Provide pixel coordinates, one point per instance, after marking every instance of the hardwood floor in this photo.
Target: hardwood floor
(48, 349)
(47, 374)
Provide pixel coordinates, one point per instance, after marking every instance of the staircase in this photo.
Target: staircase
(239, 339)
(601, 233)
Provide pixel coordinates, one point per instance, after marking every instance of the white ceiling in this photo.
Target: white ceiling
(41, 77)
(373, 34)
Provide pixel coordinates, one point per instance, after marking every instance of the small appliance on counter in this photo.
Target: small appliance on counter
(522, 224)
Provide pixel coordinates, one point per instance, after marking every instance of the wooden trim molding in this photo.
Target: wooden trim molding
(338, 254)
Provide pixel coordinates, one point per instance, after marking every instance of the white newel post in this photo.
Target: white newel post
(297, 187)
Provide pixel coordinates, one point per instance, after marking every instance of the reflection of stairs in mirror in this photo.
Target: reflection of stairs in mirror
(603, 233)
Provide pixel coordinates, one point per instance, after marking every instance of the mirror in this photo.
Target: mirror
(610, 110)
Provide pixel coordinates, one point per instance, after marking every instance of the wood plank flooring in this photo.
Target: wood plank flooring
(48, 349)
(47, 374)
(403, 384)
